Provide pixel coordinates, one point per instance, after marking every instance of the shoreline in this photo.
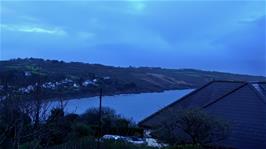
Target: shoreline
(80, 97)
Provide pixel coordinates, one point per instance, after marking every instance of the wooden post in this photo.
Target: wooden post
(37, 103)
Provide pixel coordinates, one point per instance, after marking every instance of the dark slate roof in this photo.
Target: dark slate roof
(245, 110)
(197, 98)
(243, 104)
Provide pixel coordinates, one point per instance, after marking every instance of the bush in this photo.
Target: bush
(193, 126)
(109, 118)
(80, 130)
(18, 130)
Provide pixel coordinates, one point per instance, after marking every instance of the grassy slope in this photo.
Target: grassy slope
(145, 78)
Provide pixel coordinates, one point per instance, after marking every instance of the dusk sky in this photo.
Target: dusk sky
(210, 35)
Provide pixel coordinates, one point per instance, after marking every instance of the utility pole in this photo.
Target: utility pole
(37, 102)
(100, 119)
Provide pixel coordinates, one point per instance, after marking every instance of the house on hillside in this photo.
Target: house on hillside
(27, 73)
(242, 104)
(87, 83)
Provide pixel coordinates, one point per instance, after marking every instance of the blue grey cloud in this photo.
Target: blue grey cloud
(224, 35)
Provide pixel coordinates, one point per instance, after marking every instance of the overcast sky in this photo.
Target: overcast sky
(210, 35)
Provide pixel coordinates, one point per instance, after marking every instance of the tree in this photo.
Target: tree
(198, 127)
(14, 122)
(18, 121)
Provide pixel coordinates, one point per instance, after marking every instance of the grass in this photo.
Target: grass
(89, 143)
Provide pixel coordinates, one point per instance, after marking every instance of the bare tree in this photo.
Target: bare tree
(13, 120)
(22, 119)
(193, 125)
(201, 127)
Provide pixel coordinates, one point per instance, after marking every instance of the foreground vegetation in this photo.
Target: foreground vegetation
(88, 143)
(34, 125)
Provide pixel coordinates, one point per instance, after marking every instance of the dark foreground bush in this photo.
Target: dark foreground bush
(193, 126)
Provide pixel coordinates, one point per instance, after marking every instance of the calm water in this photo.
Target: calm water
(135, 106)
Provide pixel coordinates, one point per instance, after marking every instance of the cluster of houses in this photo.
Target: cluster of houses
(54, 85)
(66, 83)
(27, 89)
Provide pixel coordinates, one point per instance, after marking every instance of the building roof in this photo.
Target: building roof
(241, 103)
(197, 98)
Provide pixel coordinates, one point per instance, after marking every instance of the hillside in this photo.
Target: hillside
(76, 79)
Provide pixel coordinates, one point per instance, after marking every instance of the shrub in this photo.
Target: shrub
(80, 130)
(193, 126)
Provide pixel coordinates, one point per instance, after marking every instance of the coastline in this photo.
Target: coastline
(82, 96)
